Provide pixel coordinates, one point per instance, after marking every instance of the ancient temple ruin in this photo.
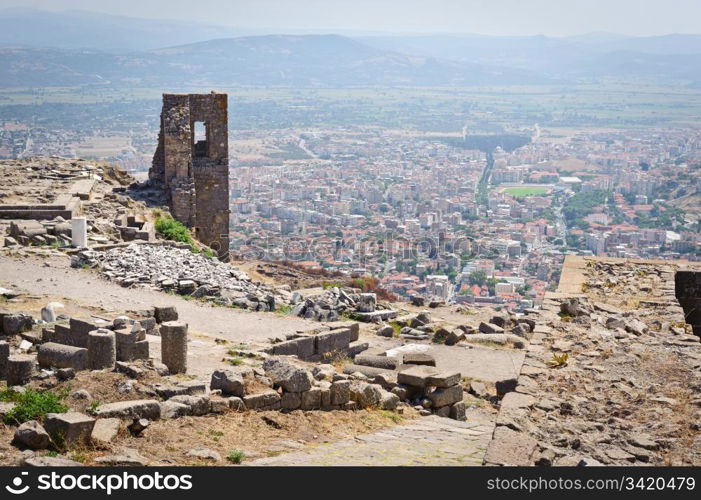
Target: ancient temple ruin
(191, 163)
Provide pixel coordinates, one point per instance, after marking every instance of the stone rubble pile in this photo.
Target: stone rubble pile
(610, 376)
(89, 343)
(335, 301)
(176, 269)
(501, 329)
(340, 339)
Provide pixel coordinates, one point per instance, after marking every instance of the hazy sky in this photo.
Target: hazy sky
(496, 17)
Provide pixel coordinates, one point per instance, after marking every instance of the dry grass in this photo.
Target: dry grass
(253, 433)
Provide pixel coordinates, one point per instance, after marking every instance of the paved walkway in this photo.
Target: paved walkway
(424, 441)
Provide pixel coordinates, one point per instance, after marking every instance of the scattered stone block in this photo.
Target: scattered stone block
(311, 399)
(323, 372)
(367, 302)
(104, 431)
(288, 376)
(228, 382)
(355, 348)
(140, 408)
(368, 371)
(204, 454)
(418, 358)
(199, 405)
(32, 435)
(129, 370)
(445, 396)
(4, 355)
(62, 356)
(443, 411)
(334, 340)
(506, 385)
(165, 313)
(443, 379)
(366, 395)
(416, 376)
(69, 428)
(16, 323)
(237, 404)
(490, 328)
(384, 362)
(385, 331)
(302, 347)
(65, 374)
(389, 401)
(353, 326)
(126, 457)
(340, 392)
(478, 389)
(81, 328)
(269, 400)
(454, 337)
(457, 411)
(19, 369)
(291, 401)
(102, 349)
(172, 409)
(174, 346)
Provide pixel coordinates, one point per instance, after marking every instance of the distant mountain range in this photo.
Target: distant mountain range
(74, 48)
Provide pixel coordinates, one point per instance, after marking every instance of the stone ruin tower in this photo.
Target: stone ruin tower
(191, 164)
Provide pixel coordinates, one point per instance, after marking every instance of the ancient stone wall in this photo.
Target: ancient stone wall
(195, 174)
(688, 293)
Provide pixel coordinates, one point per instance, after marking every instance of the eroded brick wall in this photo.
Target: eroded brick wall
(687, 286)
(196, 176)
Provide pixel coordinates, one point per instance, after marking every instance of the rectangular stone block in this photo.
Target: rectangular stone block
(269, 400)
(417, 376)
(305, 346)
(334, 340)
(443, 379)
(325, 398)
(311, 399)
(80, 329)
(457, 411)
(139, 408)
(354, 327)
(355, 348)
(291, 401)
(302, 347)
(446, 396)
(148, 324)
(60, 334)
(340, 392)
(69, 428)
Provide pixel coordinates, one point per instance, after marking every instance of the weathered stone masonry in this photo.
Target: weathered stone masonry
(195, 174)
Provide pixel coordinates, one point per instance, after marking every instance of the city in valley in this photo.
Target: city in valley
(440, 208)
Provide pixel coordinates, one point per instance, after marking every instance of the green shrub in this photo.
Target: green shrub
(174, 230)
(32, 404)
(236, 456)
(235, 361)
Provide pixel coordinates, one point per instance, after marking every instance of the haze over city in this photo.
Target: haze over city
(496, 17)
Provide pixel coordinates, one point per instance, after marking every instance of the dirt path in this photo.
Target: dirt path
(53, 277)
